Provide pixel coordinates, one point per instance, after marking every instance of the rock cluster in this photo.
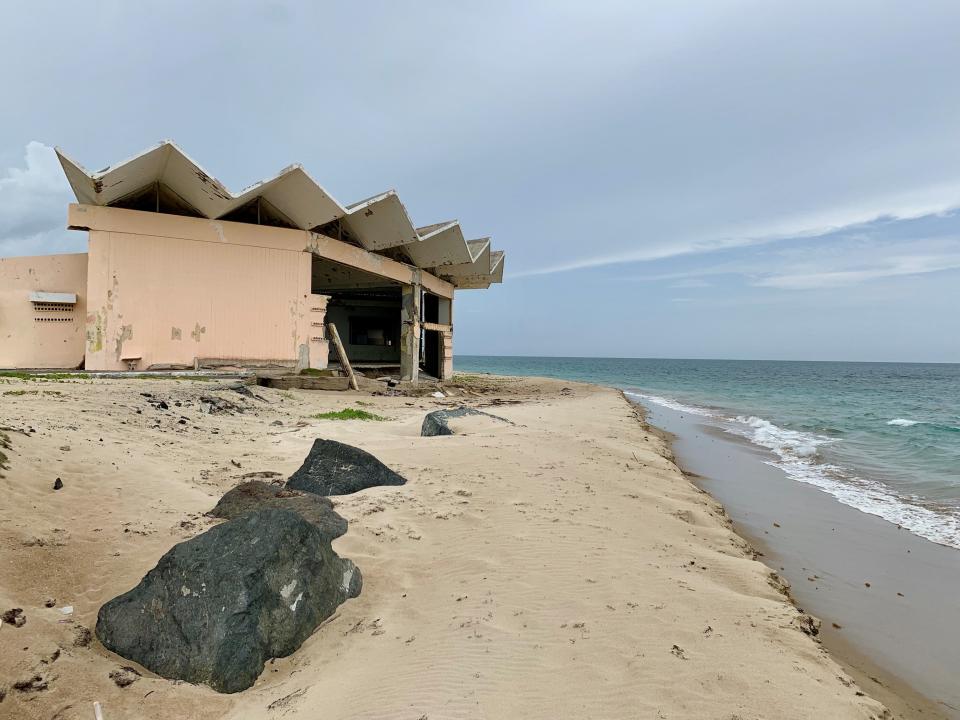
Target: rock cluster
(218, 606)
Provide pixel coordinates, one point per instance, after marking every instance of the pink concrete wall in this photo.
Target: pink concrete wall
(169, 300)
(30, 339)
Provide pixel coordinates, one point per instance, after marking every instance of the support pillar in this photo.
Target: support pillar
(410, 333)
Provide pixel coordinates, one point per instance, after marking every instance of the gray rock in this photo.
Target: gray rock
(213, 405)
(250, 496)
(332, 468)
(218, 606)
(438, 421)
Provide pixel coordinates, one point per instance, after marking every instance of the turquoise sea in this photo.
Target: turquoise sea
(880, 437)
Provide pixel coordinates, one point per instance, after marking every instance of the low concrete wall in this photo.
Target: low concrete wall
(34, 337)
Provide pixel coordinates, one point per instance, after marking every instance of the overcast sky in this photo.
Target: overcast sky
(713, 179)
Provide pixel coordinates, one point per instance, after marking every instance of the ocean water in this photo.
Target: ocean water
(883, 438)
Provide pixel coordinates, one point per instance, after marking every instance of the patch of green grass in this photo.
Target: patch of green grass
(43, 377)
(348, 414)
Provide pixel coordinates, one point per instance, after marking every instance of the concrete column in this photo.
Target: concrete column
(446, 339)
(410, 333)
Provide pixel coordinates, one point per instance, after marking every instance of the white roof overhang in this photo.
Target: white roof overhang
(292, 191)
(378, 223)
(441, 244)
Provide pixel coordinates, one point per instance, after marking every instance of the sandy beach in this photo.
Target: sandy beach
(559, 565)
(874, 585)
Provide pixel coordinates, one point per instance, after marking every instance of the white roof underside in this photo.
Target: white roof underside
(378, 224)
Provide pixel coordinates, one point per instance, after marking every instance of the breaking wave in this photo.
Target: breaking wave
(672, 404)
(798, 454)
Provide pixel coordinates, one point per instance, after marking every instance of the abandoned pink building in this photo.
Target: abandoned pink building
(181, 273)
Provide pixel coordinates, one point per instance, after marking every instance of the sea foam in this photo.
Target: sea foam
(672, 404)
(798, 455)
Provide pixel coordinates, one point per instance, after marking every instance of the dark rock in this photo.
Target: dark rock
(50, 602)
(58, 484)
(125, 676)
(162, 405)
(213, 405)
(250, 496)
(35, 682)
(438, 421)
(332, 468)
(277, 422)
(14, 617)
(217, 606)
(265, 475)
(242, 389)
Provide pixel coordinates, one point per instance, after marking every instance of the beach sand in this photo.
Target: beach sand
(878, 588)
(559, 566)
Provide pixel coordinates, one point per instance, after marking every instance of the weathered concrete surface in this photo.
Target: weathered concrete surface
(255, 495)
(333, 468)
(438, 421)
(218, 606)
(42, 335)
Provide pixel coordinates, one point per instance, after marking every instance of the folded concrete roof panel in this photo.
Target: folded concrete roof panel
(378, 223)
(297, 195)
(480, 274)
(292, 191)
(440, 244)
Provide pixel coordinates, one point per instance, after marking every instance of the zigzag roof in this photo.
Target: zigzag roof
(379, 224)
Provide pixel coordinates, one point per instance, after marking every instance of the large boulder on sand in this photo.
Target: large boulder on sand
(332, 468)
(452, 422)
(254, 495)
(218, 606)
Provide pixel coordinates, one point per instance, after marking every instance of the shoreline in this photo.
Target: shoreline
(827, 576)
(558, 566)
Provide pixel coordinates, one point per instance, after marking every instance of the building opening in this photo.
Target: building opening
(365, 308)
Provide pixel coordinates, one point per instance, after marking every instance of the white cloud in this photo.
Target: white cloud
(887, 268)
(33, 205)
(911, 205)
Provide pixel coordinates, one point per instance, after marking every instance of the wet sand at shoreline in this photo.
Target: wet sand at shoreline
(892, 594)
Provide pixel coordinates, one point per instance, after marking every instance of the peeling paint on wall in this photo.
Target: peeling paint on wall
(197, 332)
(95, 332)
(126, 333)
(175, 333)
